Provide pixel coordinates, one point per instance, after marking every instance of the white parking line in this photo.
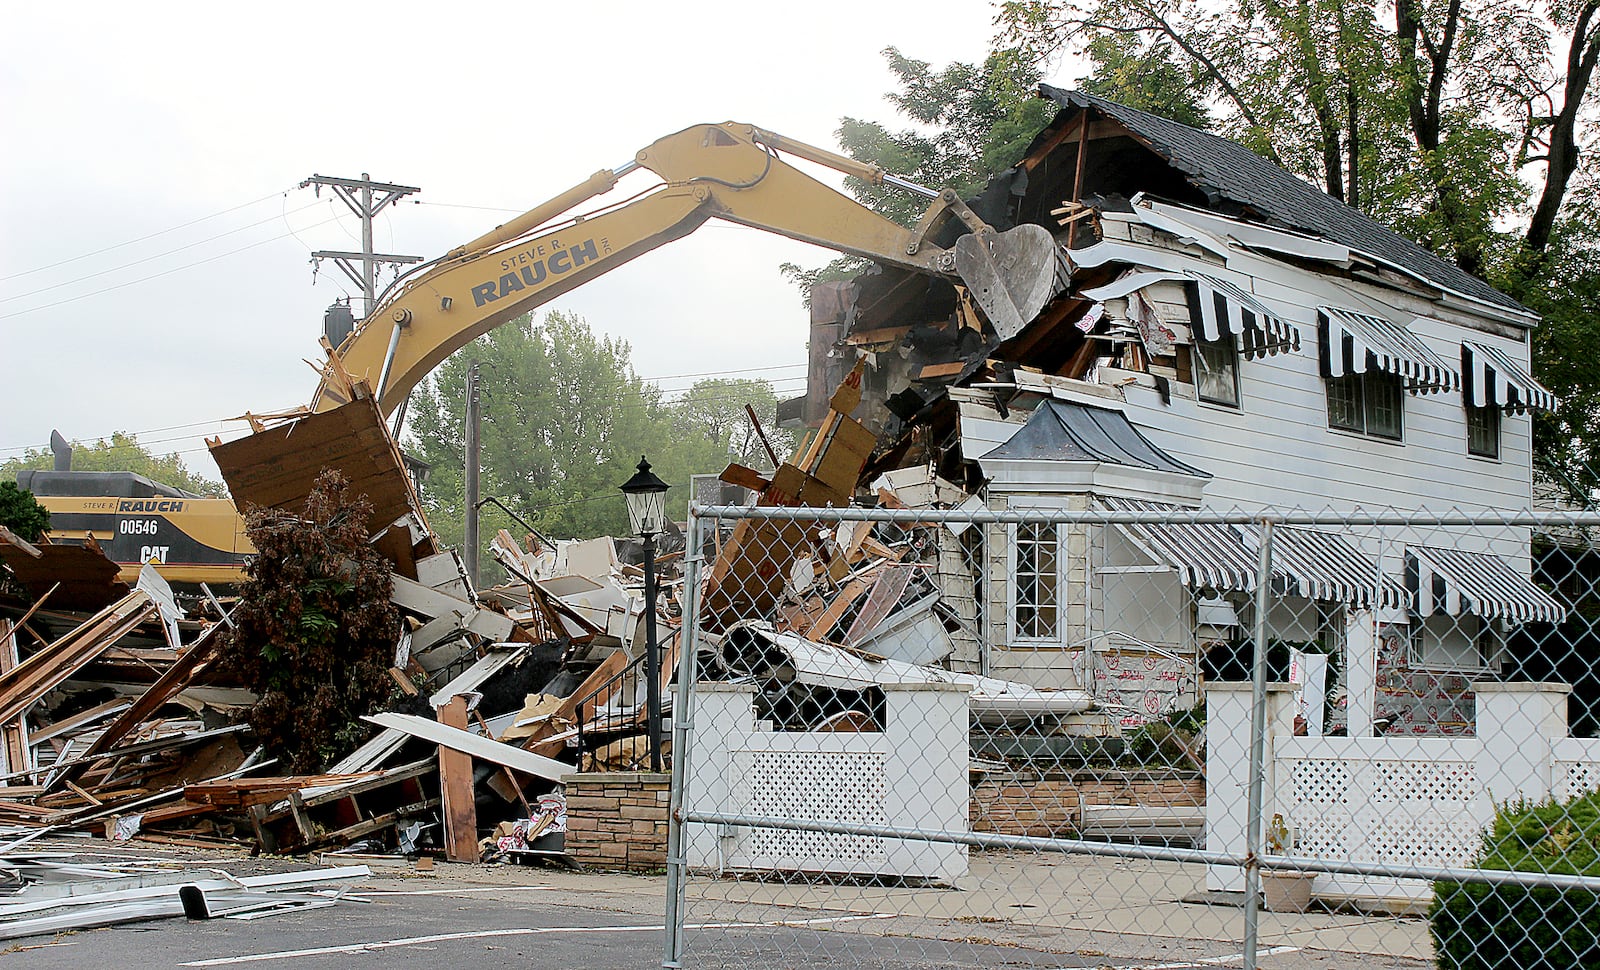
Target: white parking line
(1198, 963)
(492, 889)
(378, 945)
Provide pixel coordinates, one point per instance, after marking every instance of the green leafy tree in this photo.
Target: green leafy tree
(120, 453)
(564, 421)
(565, 418)
(21, 513)
(710, 425)
(969, 122)
(314, 633)
(1150, 77)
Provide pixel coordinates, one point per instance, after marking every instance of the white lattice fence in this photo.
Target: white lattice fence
(1577, 767)
(843, 786)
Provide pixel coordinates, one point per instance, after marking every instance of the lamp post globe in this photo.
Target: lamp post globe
(647, 501)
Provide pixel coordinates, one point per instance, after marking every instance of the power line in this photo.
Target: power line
(152, 276)
(146, 259)
(162, 232)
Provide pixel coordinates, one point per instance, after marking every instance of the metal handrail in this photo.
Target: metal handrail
(613, 683)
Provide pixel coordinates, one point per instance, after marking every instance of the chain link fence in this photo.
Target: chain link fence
(1113, 733)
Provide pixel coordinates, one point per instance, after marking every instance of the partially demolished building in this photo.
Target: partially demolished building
(1231, 339)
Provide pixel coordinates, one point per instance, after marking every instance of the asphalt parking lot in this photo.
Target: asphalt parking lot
(1062, 914)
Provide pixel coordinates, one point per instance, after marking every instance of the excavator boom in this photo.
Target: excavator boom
(732, 172)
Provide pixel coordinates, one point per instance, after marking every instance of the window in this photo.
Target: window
(1483, 432)
(1372, 403)
(1036, 608)
(1216, 370)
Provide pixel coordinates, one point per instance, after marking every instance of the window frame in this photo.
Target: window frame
(1228, 346)
(1017, 542)
(1359, 394)
(1491, 430)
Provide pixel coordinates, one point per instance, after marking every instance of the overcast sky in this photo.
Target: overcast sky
(154, 262)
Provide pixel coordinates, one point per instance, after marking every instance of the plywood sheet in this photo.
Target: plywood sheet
(88, 578)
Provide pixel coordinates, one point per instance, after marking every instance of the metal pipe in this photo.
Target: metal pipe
(652, 656)
(910, 186)
(682, 737)
(388, 358)
(1177, 517)
(1258, 752)
(469, 540)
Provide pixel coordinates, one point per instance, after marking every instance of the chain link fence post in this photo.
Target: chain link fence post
(682, 735)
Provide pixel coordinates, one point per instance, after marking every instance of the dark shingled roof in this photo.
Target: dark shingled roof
(1225, 170)
(1069, 431)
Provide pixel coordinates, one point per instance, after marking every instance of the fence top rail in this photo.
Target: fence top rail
(1511, 518)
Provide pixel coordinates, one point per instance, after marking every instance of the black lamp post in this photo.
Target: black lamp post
(647, 502)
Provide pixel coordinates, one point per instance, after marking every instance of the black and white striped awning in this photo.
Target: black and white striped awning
(1452, 582)
(1207, 555)
(1218, 307)
(1491, 379)
(1355, 343)
(1323, 566)
(1317, 565)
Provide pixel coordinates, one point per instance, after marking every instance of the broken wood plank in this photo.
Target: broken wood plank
(171, 682)
(455, 786)
(488, 749)
(30, 680)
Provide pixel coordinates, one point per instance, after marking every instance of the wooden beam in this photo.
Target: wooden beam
(455, 785)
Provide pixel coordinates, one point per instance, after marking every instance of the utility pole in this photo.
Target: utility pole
(366, 199)
(470, 539)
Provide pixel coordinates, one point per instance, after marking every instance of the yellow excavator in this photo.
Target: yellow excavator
(735, 172)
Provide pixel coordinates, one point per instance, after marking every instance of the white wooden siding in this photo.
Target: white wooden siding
(1276, 449)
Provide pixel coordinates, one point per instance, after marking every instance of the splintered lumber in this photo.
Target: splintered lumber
(167, 686)
(388, 741)
(455, 788)
(458, 739)
(750, 571)
(77, 577)
(30, 680)
(13, 734)
(244, 792)
(546, 737)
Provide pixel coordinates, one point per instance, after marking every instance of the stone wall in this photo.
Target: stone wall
(1027, 803)
(618, 819)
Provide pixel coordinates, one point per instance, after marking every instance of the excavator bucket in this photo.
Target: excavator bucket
(1012, 274)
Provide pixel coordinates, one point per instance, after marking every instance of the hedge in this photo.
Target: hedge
(1479, 926)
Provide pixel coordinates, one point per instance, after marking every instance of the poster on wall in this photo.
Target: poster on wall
(1141, 686)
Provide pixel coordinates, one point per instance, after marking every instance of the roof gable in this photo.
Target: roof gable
(1224, 170)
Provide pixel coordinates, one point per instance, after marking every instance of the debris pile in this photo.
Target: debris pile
(117, 718)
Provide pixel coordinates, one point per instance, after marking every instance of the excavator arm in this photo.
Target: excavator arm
(731, 171)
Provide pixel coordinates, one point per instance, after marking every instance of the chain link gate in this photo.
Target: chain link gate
(1119, 734)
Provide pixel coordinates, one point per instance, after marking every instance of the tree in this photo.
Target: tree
(314, 633)
(1149, 77)
(710, 424)
(565, 419)
(21, 512)
(120, 453)
(970, 123)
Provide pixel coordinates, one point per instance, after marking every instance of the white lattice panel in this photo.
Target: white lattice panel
(846, 787)
(1578, 776)
(1452, 782)
(1397, 812)
(1320, 781)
